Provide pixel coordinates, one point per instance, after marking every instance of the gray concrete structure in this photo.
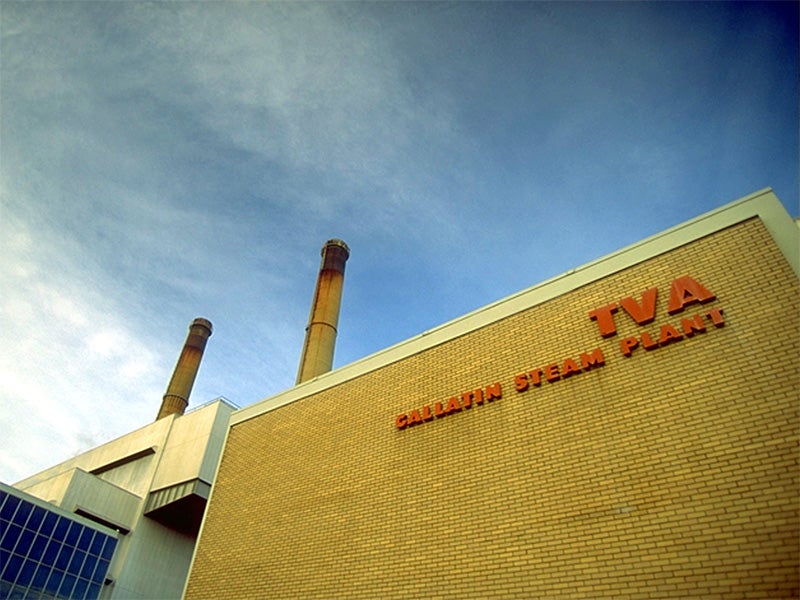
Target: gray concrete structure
(151, 486)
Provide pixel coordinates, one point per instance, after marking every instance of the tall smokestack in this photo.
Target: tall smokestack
(180, 386)
(317, 355)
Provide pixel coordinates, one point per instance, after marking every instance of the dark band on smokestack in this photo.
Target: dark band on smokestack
(317, 357)
(180, 386)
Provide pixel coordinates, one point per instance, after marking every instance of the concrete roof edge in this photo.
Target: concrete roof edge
(763, 204)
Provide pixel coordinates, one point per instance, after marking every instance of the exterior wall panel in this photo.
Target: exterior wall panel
(670, 473)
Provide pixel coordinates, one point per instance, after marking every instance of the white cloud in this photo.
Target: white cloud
(69, 356)
(163, 161)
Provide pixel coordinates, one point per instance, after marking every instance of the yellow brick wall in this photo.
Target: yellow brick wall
(669, 474)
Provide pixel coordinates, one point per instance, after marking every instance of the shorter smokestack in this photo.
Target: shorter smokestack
(180, 386)
(317, 357)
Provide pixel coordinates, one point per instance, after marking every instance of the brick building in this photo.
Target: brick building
(626, 430)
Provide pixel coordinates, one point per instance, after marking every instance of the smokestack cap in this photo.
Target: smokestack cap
(203, 323)
(337, 243)
(334, 255)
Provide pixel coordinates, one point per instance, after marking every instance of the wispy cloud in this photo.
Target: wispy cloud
(70, 363)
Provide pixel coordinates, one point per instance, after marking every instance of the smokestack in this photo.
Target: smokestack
(317, 355)
(180, 386)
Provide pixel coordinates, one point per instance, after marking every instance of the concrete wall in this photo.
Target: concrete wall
(151, 561)
(153, 565)
(134, 476)
(669, 473)
(194, 445)
(101, 499)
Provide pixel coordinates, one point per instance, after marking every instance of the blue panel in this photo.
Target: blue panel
(54, 582)
(97, 544)
(10, 537)
(9, 508)
(76, 562)
(93, 593)
(74, 533)
(23, 512)
(80, 588)
(102, 569)
(26, 573)
(49, 523)
(61, 528)
(51, 551)
(108, 549)
(63, 557)
(13, 566)
(25, 542)
(89, 566)
(66, 585)
(86, 539)
(40, 578)
(36, 518)
(38, 547)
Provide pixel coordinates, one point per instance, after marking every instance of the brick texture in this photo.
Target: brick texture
(671, 473)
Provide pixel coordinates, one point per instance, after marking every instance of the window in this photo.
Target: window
(42, 551)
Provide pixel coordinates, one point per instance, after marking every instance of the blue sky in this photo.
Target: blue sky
(164, 161)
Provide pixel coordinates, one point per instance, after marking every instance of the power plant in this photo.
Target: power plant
(628, 429)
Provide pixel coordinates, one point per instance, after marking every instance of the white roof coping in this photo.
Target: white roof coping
(762, 204)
